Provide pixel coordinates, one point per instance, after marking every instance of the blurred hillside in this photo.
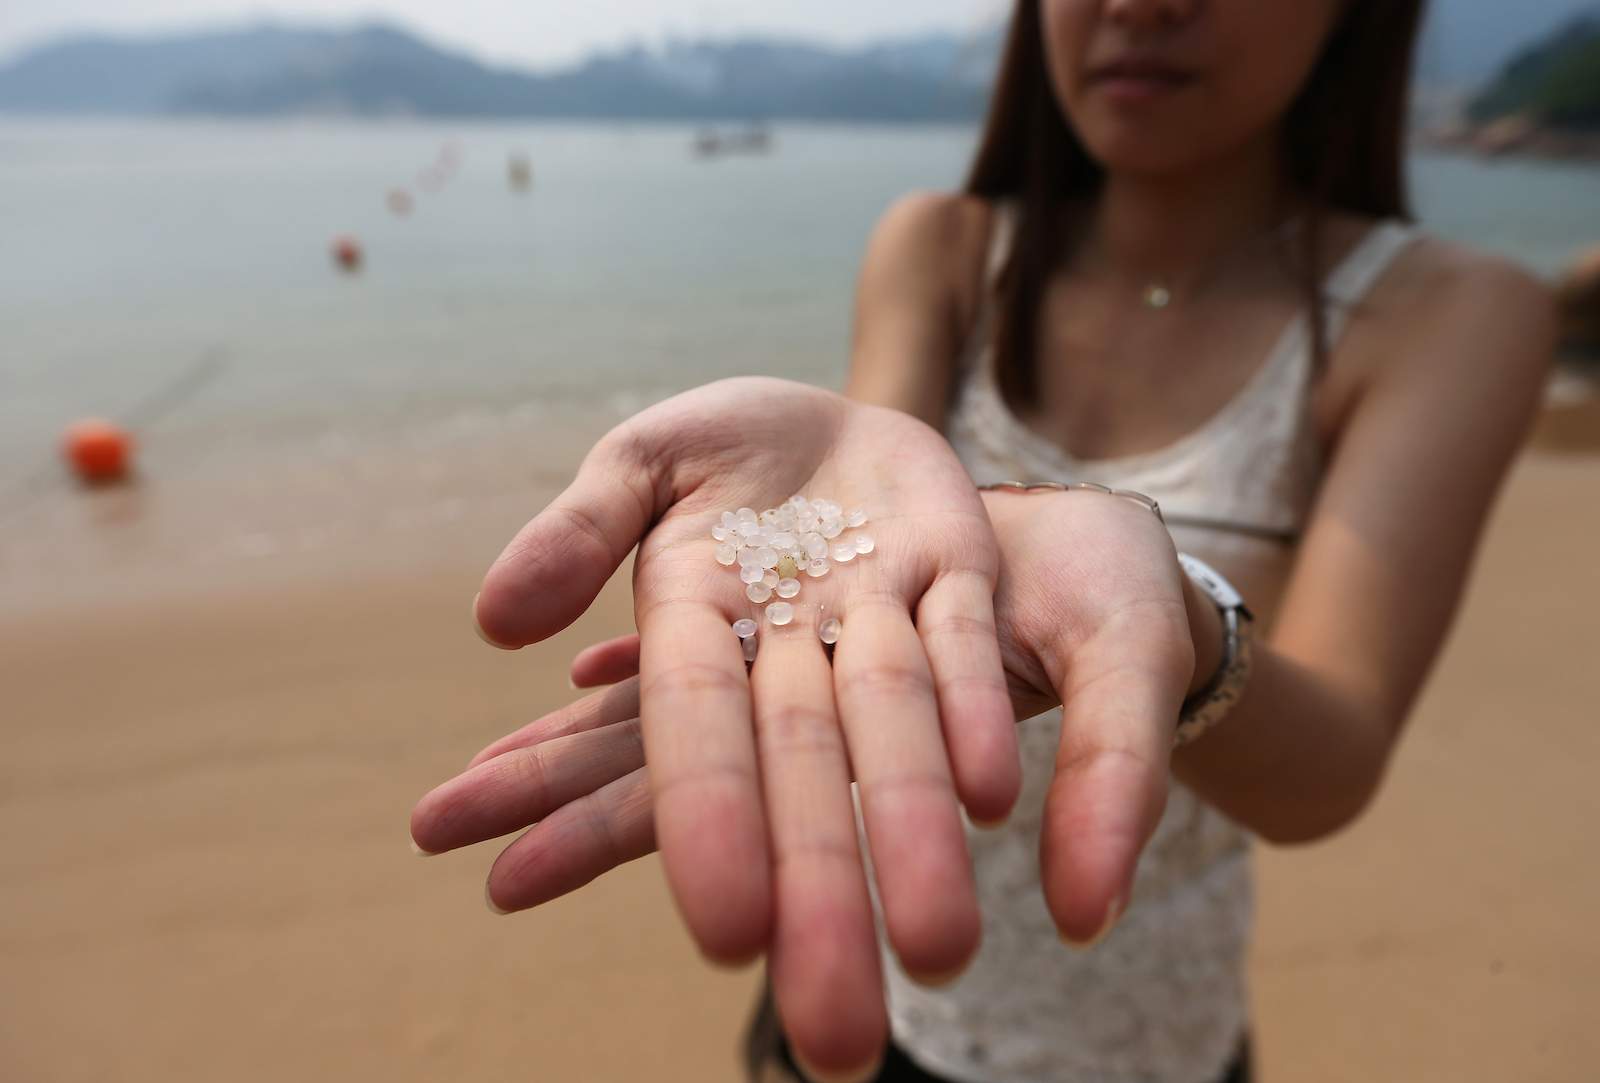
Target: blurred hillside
(1556, 82)
(1466, 42)
(378, 71)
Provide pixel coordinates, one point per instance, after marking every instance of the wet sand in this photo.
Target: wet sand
(206, 788)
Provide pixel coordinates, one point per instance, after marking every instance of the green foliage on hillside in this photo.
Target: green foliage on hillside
(1556, 82)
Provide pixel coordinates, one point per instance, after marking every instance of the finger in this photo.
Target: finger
(908, 801)
(824, 957)
(607, 663)
(524, 786)
(603, 708)
(575, 844)
(955, 618)
(556, 564)
(1110, 785)
(695, 709)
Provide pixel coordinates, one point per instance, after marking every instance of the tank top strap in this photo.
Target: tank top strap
(1349, 282)
(1001, 236)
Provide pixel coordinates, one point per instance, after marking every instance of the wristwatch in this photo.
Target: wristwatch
(1212, 703)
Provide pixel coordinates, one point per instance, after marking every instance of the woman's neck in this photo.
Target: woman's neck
(1171, 224)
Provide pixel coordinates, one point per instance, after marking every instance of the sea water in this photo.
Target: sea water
(487, 318)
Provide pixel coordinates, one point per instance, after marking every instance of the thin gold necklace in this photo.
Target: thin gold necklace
(1158, 291)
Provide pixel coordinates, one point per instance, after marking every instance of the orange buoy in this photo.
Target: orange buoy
(98, 450)
(347, 252)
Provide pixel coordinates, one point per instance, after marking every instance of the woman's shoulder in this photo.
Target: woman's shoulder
(938, 240)
(1441, 307)
(1435, 283)
(1436, 274)
(947, 222)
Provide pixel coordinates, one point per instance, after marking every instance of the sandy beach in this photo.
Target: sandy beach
(208, 778)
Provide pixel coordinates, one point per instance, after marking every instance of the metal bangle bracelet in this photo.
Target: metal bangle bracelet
(1064, 486)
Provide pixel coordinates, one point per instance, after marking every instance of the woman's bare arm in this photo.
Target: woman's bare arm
(1450, 356)
(916, 301)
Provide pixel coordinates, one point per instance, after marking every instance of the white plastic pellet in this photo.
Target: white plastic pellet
(784, 540)
(856, 518)
(843, 551)
(770, 578)
(726, 554)
(751, 573)
(745, 628)
(750, 647)
(865, 543)
(720, 532)
(780, 613)
(815, 545)
(767, 557)
(747, 555)
(829, 630)
(832, 528)
(730, 520)
(746, 515)
(749, 528)
(758, 592)
(787, 588)
(818, 568)
(831, 509)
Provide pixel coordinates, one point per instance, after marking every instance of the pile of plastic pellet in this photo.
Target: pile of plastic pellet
(772, 548)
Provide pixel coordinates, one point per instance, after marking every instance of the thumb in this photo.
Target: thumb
(556, 565)
(1121, 698)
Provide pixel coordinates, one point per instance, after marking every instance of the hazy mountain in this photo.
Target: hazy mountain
(377, 70)
(1467, 41)
(1556, 82)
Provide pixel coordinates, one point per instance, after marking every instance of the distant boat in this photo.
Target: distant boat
(519, 172)
(753, 138)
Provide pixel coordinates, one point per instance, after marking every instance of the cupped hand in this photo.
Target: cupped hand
(749, 776)
(1091, 615)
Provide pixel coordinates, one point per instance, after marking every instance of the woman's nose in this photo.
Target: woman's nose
(1151, 14)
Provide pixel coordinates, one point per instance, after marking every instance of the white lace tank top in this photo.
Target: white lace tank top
(1162, 998)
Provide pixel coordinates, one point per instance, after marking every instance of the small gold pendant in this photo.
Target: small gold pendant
(1157, 294)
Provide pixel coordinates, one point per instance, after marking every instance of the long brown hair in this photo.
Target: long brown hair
(1343, 148)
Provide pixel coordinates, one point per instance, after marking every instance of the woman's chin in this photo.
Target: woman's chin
(1141, 154)
(1151, 146)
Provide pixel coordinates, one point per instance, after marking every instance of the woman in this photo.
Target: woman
(1180, 267)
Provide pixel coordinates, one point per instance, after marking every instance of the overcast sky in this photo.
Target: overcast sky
(529, 32)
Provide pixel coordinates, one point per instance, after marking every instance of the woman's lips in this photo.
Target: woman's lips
(1139, 81)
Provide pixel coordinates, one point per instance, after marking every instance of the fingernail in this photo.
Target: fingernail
(476, 627)
(854, 1075)
(420, 852)
(489, 901)
(1113, 915)
(989, 825)
(572, 684)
